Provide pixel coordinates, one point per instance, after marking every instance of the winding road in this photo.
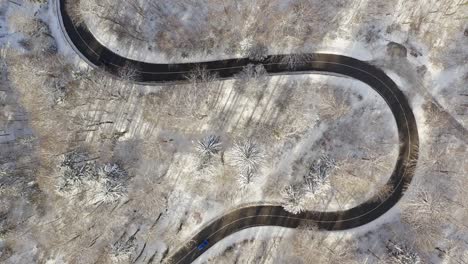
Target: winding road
(92, 51)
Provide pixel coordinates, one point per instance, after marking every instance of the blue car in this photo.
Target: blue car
(203, 245)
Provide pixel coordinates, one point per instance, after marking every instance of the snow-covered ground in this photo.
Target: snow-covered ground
(288, 150)
(295, 123)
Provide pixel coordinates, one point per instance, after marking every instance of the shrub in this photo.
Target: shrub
(293, 199)
(247, 156)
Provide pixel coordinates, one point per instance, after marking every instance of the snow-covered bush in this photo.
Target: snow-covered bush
(121, 251)
(209, 145)
(109, 185)
(75, 170)
(5, 170)
(245, 45)
(317, 177)
(402, 254)
(246, 157)
(80, 8)
(293, 201)
(370, 34)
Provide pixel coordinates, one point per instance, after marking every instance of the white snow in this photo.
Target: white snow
(194, 196)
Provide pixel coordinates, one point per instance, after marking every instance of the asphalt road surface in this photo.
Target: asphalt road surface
(91, 50)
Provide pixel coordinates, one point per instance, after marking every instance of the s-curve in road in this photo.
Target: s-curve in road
(91, 50)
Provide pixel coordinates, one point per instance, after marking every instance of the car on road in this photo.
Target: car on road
(203, 245)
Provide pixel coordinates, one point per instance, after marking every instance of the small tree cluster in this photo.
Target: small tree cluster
(314, 182)
(196, 97)
(252, 79)
(252, 72)
(425, 211)
(257, 52)
(101, 183)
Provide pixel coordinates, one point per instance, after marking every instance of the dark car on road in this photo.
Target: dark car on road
(203, 245)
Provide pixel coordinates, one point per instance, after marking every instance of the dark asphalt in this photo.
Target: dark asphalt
(93, 51)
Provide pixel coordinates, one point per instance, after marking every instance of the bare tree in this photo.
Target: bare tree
(295, 60)
(79, 9)
(252, 72)
(331, 106)
(200, 76)
(424, 212)
(455, 251)
(110, 15)
(207, 147)
(128, 73)
(24, 23)
(312, 246)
